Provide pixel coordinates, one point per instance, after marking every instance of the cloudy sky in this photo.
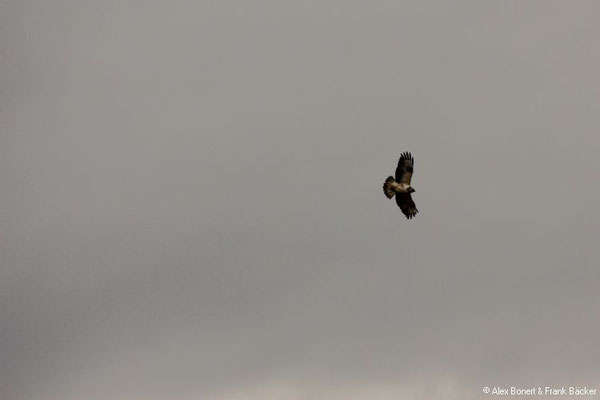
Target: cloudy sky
(191, 201)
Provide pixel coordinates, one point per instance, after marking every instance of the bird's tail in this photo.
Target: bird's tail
(387, 187)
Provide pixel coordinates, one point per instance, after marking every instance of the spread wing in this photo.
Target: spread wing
(406, 204)
(405, 168)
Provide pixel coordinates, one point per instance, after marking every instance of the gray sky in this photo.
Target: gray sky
(192, 206)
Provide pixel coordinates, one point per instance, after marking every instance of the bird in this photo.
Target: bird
(400, 186)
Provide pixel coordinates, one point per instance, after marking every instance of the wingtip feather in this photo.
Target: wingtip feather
(407, 156)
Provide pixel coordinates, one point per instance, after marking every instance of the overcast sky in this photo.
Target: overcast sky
(192, 208)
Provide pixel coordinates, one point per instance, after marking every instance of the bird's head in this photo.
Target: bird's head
(411, 190)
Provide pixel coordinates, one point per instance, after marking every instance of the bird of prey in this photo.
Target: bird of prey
(400, 187)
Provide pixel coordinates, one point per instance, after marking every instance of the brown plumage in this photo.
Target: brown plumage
(400, 186)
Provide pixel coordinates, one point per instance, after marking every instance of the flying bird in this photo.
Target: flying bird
(400, 186)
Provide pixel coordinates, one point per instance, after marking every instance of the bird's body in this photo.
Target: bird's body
(400, 186)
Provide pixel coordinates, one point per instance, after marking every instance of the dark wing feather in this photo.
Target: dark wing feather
(405, 168)
(406, 204)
